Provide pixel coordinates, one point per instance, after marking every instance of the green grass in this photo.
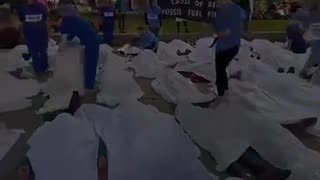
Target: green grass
(169, 25)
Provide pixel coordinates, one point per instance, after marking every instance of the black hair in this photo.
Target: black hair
(54, 15)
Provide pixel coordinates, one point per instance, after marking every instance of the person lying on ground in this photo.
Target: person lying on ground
(74, 26)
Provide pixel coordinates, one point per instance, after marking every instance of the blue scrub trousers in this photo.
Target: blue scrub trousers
(155, 30)
(108, 37)
(90, 64)
(39, 56)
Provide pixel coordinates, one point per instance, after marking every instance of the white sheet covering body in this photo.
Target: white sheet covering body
(67, 78)
(175, 88)
(117, 83)
(144, 144)
(203, 52)
(64, 149)
(168, 55)
(14, 92)
(235, 125)
(180, 45)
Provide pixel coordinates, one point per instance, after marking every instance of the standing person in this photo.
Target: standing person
(185, 23)
(247, 6)
(75, 26)
(228, 27)
(153, 17)
(108, 14)
(34, 18)
(312, 22)
(122, 8)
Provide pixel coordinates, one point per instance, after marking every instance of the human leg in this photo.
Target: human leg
(90, 65)
(39, 59)
(185, 23)
(178, 27)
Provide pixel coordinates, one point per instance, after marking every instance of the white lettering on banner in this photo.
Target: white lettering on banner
(194, 13)
(108, 14)
(33, 18)
(211, 4)
(198, 3)
(172, 12)
(180, 2)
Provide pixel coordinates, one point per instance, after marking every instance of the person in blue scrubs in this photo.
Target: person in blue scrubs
(153, 17)
(108, 14)
(75, 26)
(34, 17)
(145, 40)
(228, 26)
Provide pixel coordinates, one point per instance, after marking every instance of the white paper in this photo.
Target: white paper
(64, 149)
(13, 92)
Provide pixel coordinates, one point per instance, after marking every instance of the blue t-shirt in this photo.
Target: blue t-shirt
(74, 26)
(108, 14)
(229, 18)
(147, 41)
(34, 18)
(153, 16)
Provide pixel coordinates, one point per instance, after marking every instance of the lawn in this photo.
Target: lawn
(169, 25)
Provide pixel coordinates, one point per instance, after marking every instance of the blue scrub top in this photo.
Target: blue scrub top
(153, 16)
(34, 18)
(74, 26)
(108, 13)
(147, 41)
(229, 18)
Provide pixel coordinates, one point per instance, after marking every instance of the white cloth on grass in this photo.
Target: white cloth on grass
(230, 129)
(202, 52)
(8, 137)
(14, 92)
(117, 84)
(67, 78)
(287, 89)
(168, 55)
(175, 88)
(180, 45)
(146, 65)
(66, 148)
(137, 146)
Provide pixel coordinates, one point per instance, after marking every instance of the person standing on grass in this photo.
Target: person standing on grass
(153, 17)
(185, 23)
(122, 8)
(108, 14)
(34, 17)
(228, 27)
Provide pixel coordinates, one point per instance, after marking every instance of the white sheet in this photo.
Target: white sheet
(232, 127)
(144, 144)
(14, 92)
(68, 77)
(146, 65)
(117, 84)
(64, 149)
(168, 55)
(202, 52)
(8, 137)
(180, 45)
(174, 88)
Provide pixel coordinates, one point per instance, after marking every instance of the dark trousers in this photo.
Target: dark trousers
(223, 59)
(122, 18)
(185, 23)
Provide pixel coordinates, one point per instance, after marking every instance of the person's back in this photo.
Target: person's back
(229, 19)
(77, 27)
(147, 41)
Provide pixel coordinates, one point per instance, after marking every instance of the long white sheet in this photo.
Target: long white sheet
(168, 55)
(117, 83)
(233, 126)
(14, 92)
(202, 52)
(174, 88)
(180, 45)
(68, 77)
(64, 149)
(144, 144)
